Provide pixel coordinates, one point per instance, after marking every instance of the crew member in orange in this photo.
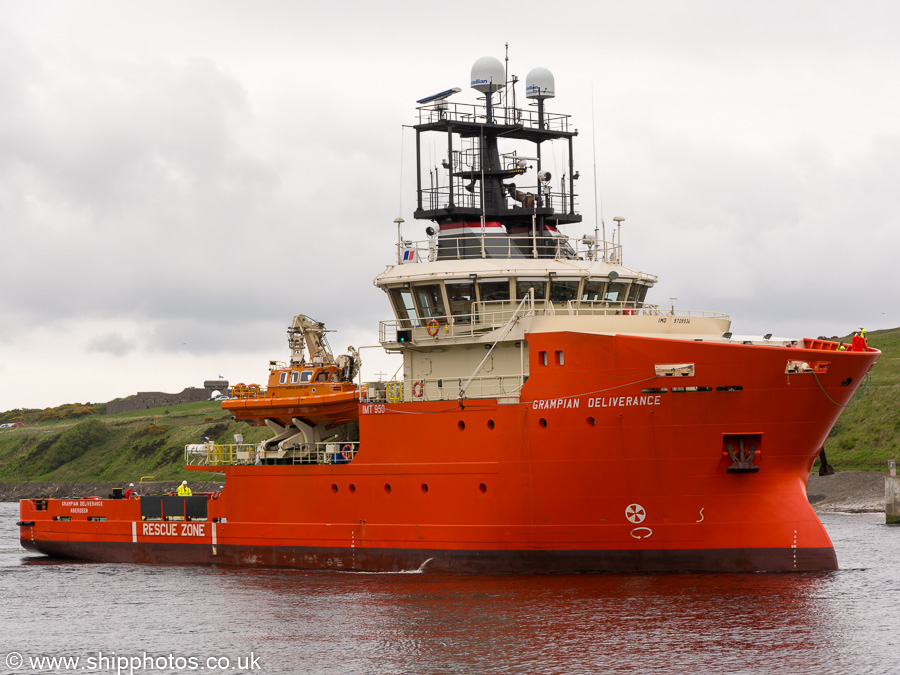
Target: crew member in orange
(860, 344)
(131, 493)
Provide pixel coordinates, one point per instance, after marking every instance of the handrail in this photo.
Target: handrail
(556, 247)
(490, 315)
(236, 454)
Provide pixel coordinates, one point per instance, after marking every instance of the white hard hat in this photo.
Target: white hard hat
(184, 482)
(131, 485)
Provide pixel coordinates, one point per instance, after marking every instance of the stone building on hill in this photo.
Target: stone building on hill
(156, 399)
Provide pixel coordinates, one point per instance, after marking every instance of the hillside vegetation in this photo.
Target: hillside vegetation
(118, 447)
(867, 434)
(78, 443)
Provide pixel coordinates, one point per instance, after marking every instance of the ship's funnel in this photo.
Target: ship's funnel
(539, 84)
(488, 75)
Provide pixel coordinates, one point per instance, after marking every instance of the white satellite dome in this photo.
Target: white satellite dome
(539, 84)
(488, 75)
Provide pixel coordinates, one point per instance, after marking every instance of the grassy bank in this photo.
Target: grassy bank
(868, 433)
(116, 447)
(98, 447)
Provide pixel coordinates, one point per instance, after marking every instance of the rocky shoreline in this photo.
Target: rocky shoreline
(845, 491)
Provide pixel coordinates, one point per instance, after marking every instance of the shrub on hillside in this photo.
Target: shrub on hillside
(74, 443)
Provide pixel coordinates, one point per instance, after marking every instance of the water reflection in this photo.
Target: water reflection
(324, 622)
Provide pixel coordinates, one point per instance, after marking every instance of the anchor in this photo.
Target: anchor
(742, 460)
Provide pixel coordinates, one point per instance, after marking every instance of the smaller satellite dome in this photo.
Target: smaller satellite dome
(539, 83)
(488, 75)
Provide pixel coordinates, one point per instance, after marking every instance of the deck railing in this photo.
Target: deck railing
(233, 454)
(488, 316)
(523, 245)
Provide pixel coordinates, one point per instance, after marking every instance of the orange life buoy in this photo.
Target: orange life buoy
(433, 327)
(347, 451)
(418, 389)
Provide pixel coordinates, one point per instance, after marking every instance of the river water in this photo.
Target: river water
(135, 618)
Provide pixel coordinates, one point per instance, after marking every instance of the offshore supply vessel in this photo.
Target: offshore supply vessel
(547, 417)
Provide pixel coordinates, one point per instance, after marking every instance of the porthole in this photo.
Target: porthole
(352, 487)
(847, 382)
(591, 422)
(424, 488)
(461, 425)
(542, 422)
(482, 487)
(333, 487)
(387, 488)
(490, 424)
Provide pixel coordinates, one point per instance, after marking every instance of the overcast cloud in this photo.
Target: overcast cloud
(178, 179)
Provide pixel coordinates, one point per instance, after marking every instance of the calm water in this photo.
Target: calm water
(320, 622)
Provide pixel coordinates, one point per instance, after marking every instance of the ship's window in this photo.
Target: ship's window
(563, 290)
(615, 292)
(387, 488)
(490, 424)
(283, 378)
(425, 488)
(542, 358)
(430, 301)
(305, 375)
(591, 422)
(593, 289)
(482, 487)
(637, 293)
(493, 289)
(539, 286)
(560, 358)
(460, 296)
(295, 376)
(404, 307)
(542, 422)
(461, 425)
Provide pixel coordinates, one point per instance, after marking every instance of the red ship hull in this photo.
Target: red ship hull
(602, 465)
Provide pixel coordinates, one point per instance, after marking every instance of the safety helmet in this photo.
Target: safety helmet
(131, 485)
(184, 482)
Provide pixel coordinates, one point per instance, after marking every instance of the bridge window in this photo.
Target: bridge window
(282, 379)
(460, 296)
(404, 307)
(615, 292)
(563, 290)
(295, 376)
(637, 293)
(430, 301)
(306, 375)
(493, 289)
(525, 284)
(593, 290)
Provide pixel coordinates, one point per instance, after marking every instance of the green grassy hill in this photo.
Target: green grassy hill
(89, 446)
(868, 433)
(115, 447)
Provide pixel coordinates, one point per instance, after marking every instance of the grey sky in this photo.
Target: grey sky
(178, 179)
